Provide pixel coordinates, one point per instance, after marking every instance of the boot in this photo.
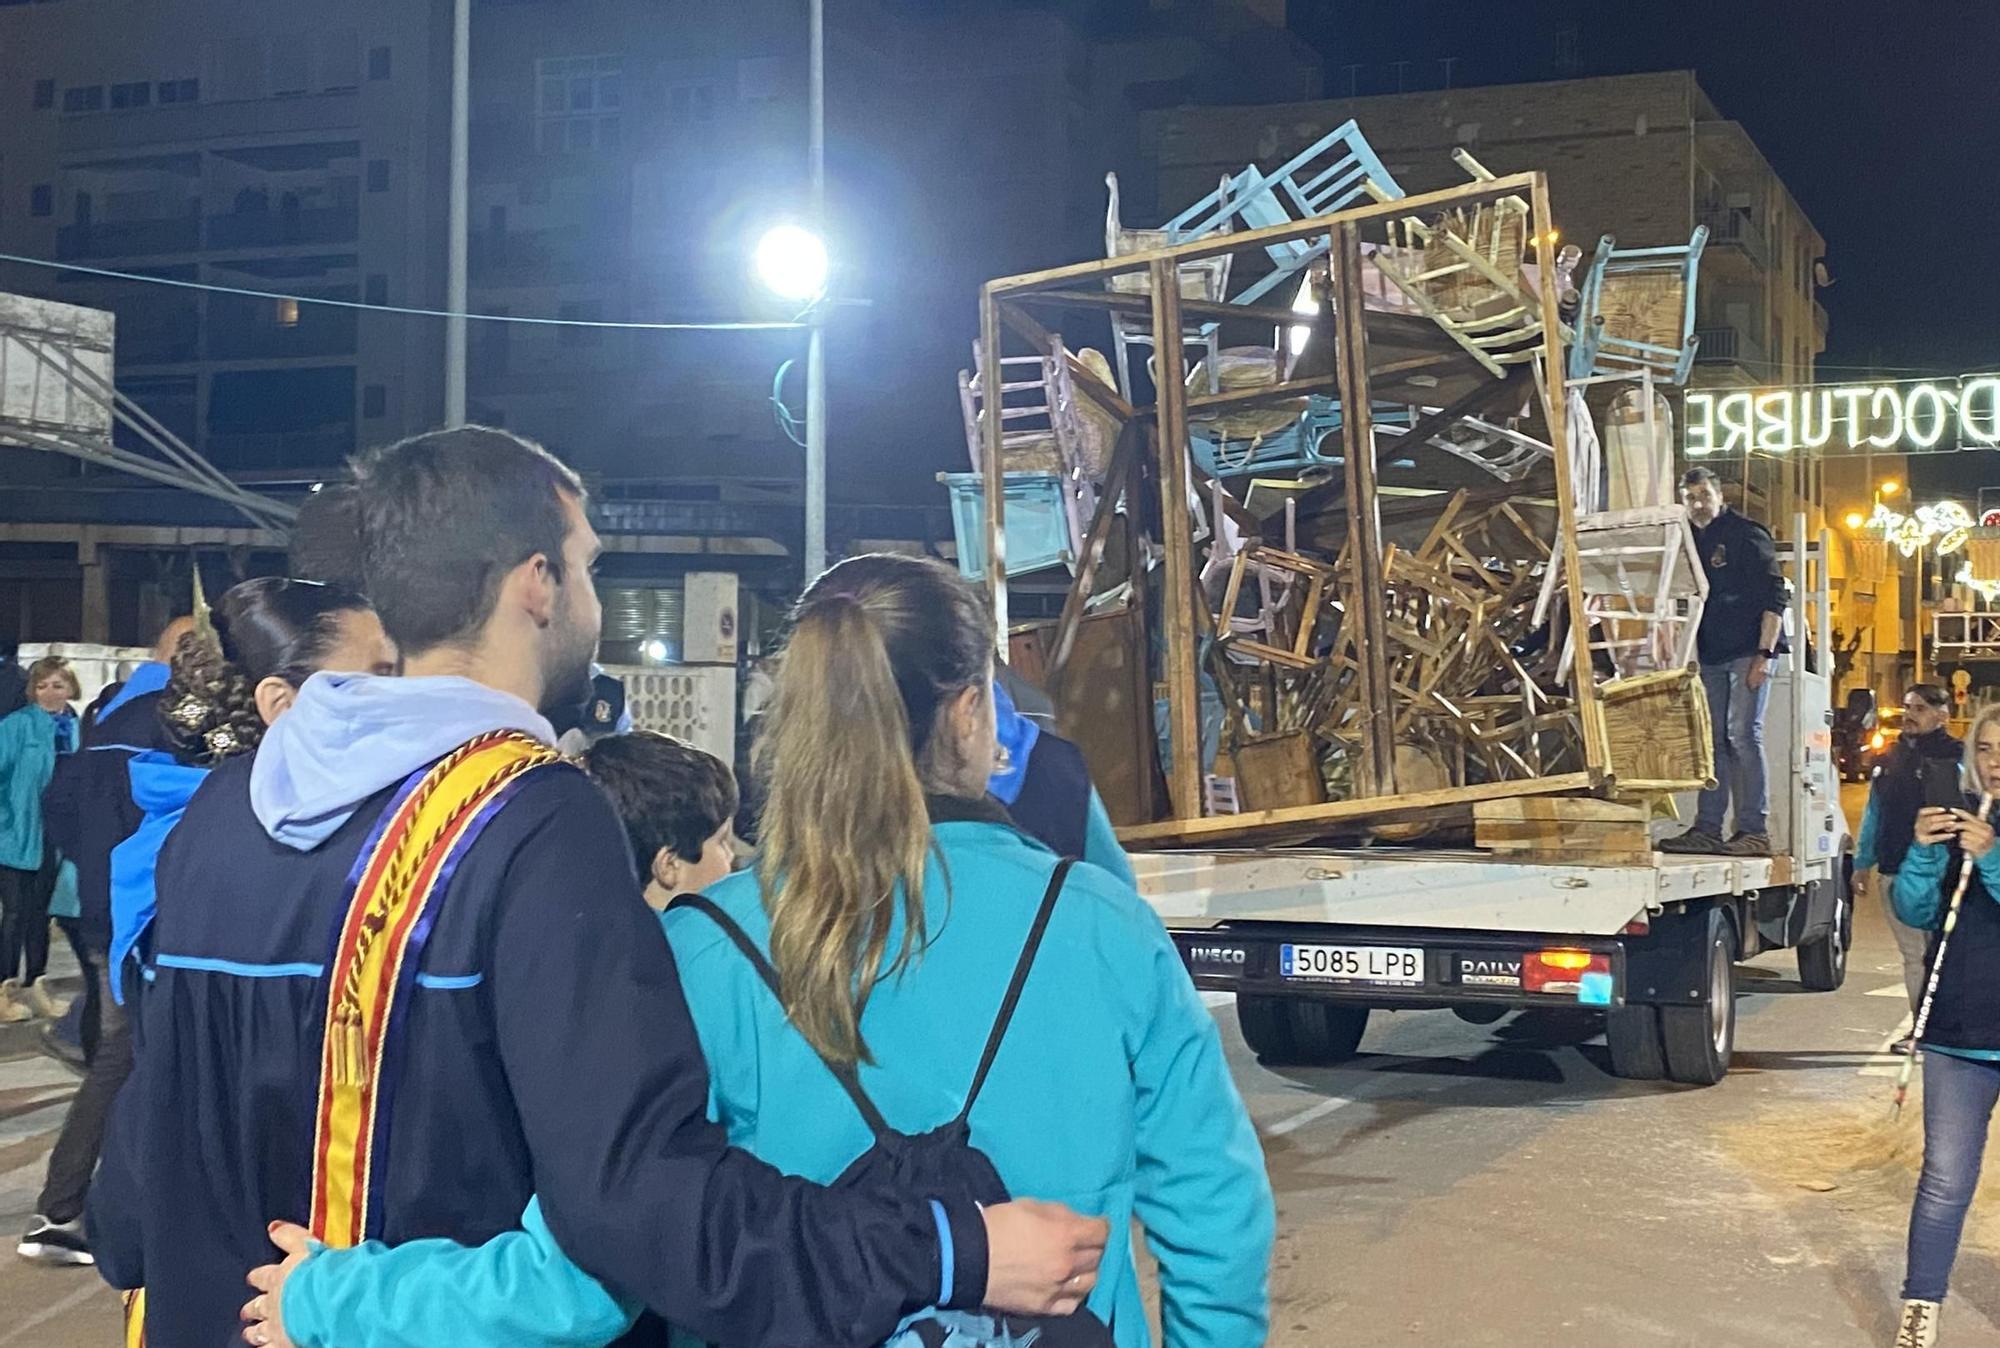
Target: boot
(45, 1003)
(11, 1011)
(1920, 1325)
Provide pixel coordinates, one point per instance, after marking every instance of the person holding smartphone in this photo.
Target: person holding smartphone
(1921, 768)
(1960, 1037)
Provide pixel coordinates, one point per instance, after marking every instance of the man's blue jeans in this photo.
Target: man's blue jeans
(1959, 1094)
(1736, 712)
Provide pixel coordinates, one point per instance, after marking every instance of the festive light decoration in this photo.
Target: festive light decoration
(1943, 527)
(1989, 590)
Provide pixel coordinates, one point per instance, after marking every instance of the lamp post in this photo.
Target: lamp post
(792, 262)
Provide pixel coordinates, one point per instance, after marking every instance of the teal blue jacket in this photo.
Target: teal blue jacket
(28, 744)
(1111, 1094)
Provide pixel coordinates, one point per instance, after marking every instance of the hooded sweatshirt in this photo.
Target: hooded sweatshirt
(516, 1063)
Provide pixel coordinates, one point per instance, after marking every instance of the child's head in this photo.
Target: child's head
(678, 805)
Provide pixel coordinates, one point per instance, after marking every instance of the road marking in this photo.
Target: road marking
(1306, 1116)
(1215, 999)
(1893, 990)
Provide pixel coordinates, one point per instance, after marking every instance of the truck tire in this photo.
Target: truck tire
(1700, 1039)
(1633, 1034)
(1300, 1032)
(1823, 960)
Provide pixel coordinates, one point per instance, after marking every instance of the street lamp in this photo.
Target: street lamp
(792, 262)
(1855, 519)
(1889, 487)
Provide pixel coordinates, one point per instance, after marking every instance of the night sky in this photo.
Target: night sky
(1882, 119)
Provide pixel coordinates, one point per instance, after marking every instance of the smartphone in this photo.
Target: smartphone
(1942, 786)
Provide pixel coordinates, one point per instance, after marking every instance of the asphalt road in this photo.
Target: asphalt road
(1463, 1185)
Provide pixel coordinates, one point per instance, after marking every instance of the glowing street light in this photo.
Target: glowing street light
(791, 261)
(1889, 487)
(1855, 519)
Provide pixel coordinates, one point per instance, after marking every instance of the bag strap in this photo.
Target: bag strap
(844, 1073)
(1005, 1016)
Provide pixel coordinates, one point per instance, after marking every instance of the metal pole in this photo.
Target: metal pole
(815, 559)
(458, 213)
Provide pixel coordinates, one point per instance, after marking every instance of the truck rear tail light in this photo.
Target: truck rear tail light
(1575, 973)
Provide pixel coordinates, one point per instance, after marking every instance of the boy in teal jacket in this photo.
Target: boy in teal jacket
(1111, 1094)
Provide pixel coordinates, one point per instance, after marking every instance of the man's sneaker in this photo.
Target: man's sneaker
(1748, 845)
(1920, 1325)
(50, 1242)
(1695, 841)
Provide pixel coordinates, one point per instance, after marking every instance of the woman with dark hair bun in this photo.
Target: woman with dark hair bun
(231, 679)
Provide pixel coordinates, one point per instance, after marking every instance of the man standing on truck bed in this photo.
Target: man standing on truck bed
(1738, 642)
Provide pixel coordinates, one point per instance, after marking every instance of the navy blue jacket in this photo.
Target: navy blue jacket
(87, 808)
(549, 1051)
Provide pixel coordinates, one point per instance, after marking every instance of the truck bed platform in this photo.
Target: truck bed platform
(1451, 890)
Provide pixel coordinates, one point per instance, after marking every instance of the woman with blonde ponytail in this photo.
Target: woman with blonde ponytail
(894, 898)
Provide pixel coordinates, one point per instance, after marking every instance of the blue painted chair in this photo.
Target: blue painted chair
(1637, 311)
(1339, 170)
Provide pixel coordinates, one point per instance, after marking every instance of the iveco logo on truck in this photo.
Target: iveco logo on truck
(1217, 954)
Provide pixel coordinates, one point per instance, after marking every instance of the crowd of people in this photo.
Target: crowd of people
(425, 1001)
(434, 1033)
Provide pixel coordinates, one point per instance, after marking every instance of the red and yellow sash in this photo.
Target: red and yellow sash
(394, 888)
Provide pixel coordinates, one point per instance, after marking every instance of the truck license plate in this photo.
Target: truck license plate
(1351, 963)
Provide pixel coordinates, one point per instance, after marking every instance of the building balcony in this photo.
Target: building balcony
(129, 238)
(277, 229)
(316, 331)
(1728, 346)
(325, 447)
(544, 257)
(1820, 323)
(1733, 232)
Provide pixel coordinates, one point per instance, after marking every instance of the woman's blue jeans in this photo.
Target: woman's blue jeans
(1959, 1094)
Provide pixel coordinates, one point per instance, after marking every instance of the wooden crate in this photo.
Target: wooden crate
(1579, 830)
(1277, 772)
(1657, 732)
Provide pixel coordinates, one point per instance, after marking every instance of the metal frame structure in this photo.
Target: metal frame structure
(1159, 432)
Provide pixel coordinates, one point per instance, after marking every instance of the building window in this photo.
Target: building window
(42, 199)
(138, 95)
(578, 103)
(581, 311)
(45, 93)
(378, 175)
(84, 98)
(1568, 47)
(374, 401)
(692, 102)
(376, 290)
(180, 91)
(378, 63)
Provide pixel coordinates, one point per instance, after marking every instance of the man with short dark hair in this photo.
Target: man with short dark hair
(1738, 644)
(326, 538)
(1925, 751)
(493, 975)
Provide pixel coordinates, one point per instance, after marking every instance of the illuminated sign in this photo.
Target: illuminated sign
(1915, 417)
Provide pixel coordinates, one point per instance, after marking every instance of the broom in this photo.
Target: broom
(1937, 968)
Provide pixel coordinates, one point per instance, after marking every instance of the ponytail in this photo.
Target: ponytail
(877, 646)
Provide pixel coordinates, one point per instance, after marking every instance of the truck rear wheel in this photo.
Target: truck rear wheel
(1633, 1034)
(1300, 1032)
(1700, 1039)
(1823, 961)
